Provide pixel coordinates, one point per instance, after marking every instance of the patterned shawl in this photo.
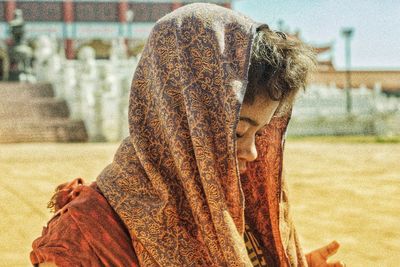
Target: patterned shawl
(174, 181)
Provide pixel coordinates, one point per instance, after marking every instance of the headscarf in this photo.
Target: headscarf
(175, 181)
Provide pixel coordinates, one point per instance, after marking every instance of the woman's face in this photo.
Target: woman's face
(253, 117)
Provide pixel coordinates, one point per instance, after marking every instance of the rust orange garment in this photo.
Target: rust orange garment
(70, 233)
(85, 231)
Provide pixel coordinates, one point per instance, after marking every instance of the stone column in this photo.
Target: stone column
(176, 5)
(68, 7)
(122, 12)
(227, 5)
(10, 7)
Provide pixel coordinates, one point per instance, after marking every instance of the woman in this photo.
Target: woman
(198, 181)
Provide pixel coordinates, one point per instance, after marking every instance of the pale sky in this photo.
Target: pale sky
(376, 38)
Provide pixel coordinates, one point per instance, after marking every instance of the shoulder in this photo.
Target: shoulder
(85, 231)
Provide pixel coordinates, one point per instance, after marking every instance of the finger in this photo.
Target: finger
(337, 264)
(329, 249)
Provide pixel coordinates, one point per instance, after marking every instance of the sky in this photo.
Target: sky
(375, 43)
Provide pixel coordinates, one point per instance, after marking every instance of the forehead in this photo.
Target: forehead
(261, 110)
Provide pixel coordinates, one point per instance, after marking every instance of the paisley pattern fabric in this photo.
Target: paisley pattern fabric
(174, 181)
(267, 209)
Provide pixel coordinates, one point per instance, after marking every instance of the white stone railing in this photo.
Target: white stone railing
(97, 92)
(321, 110)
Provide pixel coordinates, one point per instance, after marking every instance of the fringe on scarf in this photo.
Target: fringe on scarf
(64, 194)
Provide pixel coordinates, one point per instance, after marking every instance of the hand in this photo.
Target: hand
(319, 257)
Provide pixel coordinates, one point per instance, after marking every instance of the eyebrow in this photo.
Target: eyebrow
(250, 121)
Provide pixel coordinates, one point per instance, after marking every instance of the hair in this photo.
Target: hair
(279, 67)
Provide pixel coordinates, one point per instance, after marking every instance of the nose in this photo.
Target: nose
(247, 150)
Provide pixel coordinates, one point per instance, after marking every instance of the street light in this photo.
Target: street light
(347, 34)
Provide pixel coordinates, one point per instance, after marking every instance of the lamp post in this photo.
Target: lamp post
(347, 34)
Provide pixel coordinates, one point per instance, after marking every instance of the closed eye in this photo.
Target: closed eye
(260, 132)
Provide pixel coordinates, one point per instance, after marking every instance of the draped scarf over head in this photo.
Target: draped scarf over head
(174, 181)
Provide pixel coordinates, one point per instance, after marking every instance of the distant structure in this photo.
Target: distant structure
(324, 58)
(81, 22)
(19, 53)
(387, 80)
(32, 113)
(76, 21)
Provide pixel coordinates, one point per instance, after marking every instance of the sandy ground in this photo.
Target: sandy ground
(344, 191)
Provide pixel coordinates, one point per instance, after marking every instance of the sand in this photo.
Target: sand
(351, 193)
(339, 190)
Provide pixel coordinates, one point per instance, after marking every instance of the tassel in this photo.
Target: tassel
(63, 194)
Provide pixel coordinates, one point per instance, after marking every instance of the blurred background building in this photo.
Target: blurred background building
(387, 80)
(73, 63)
(78, 22)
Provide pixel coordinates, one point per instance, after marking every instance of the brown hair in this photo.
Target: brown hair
(279, 66)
